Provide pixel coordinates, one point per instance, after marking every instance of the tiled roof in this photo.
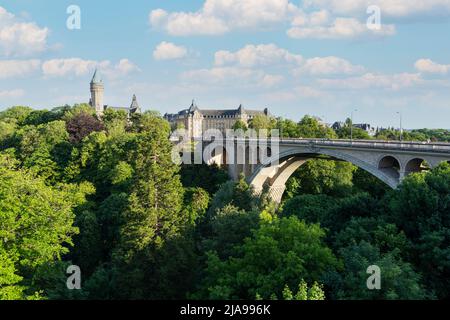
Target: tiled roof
(217, 113)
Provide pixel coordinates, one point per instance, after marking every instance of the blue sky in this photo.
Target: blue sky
(295, 57)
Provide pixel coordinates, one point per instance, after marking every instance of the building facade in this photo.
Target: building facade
(363, 126)
(196, 121)
(97, 98)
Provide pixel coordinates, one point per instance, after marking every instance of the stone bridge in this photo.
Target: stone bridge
(389, 161)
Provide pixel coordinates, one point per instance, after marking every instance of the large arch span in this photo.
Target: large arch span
(276, 170)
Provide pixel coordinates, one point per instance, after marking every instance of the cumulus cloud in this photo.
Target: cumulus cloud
(232, 76)
(270, 80)
(374, 81)
(18, 68)
(322, 19)
(339, 28)
(71, 66)
(19, 38)
(221, 16)
(169, 51)
(16, 93)
(80, 67)
(328, 66)
(267, 65)
(429, 66)
(257, 55)
(389, 8)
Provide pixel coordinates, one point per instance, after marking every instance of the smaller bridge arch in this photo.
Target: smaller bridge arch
(416, 165)
(390, 165)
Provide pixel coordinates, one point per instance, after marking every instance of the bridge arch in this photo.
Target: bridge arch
(277, 169)
(390, 166)
(416, 165)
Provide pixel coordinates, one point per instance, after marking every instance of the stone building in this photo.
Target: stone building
(196, 120)
(97, 95)
(363, 126)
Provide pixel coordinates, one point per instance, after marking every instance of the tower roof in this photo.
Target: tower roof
(96, 77)
(134, 103)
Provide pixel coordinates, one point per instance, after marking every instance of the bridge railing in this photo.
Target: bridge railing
(438, 147)
(376, 144)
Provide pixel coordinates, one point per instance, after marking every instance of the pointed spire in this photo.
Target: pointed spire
(193, 106)
(134, 104)
(96, 77)
(240, 109)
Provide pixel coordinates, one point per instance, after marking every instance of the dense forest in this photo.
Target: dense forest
(105, 195)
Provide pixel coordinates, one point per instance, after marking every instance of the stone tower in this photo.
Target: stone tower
(97, 90)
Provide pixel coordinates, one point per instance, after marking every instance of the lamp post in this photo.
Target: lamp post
(401, 125)
(351, 125)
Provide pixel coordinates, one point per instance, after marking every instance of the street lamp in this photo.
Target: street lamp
(351, 125)
(401, 125)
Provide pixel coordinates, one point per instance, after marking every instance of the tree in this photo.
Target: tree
(207, 177)
(315, 292)
(262, 122)
(36, 226)
(279, 253)
(310, 127)
(322, 177)
(81, 125)
(239, 124)
(153, 214)
(227, 229)
(196, 202)
(238, 194)
(421, 208)
(16, 114)
(288, 128)
(399, 280)
(44, 149)
(112, 118)
(312, 208)
(364, 181)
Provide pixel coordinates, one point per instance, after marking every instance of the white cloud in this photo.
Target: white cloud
(18, 38)
(372, 81)
(221, 16)
(340, 28)
(16, 93)
(232, 76)
(257, 55)
(309, 92)
(429, 66)
(269, 56)
(389, 8)
(18, 68)
(79, 67)
(322, 19)
(169, 51)
(122, 68)
(270, 80)
(328, 66)
(158, 17)
(71, 66)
